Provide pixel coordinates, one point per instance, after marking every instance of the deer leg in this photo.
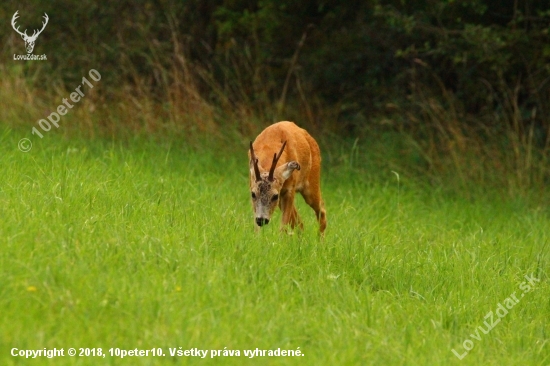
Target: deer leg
(290, 215)
(315, 201)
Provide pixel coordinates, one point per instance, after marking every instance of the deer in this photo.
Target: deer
(295, 168)
(29, 40)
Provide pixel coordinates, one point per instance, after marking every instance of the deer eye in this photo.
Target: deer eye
(253, 195)
(275, 197)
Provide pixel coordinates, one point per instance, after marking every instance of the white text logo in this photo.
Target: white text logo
(29, 40)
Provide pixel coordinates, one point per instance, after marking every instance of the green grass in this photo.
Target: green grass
(145, 244)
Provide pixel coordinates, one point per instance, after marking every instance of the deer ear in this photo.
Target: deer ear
(285, 170)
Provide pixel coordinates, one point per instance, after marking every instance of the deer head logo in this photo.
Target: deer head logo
(29, 40)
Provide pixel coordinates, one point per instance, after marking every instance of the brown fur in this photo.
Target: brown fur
(305, 178)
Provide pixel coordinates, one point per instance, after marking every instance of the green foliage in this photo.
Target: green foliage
(357, 55)
(477, 47)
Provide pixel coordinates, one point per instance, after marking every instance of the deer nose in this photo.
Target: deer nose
(260, 221)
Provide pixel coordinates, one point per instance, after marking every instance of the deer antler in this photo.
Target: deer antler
(24, 34)
(15, 16)
(43, 26)
(276, 158)
(255, 163)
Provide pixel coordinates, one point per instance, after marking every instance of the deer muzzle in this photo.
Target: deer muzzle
(261, 221)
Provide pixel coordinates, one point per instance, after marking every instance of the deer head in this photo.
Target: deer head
(266, 186)
(29, 40)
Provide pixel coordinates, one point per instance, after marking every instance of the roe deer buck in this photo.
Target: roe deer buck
(294, 169)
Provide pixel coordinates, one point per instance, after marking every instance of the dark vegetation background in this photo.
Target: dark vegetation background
(455, 92)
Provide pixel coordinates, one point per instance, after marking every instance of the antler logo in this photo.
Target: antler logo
(29, 40)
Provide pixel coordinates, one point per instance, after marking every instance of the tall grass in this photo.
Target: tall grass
(430, 138)
(130, 225)
(114, 240)
(143, 244)
(500, 149)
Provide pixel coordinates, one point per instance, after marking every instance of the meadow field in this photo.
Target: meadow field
(148, 244)
(126, 229)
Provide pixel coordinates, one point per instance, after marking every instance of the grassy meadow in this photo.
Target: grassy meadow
(149, 243)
